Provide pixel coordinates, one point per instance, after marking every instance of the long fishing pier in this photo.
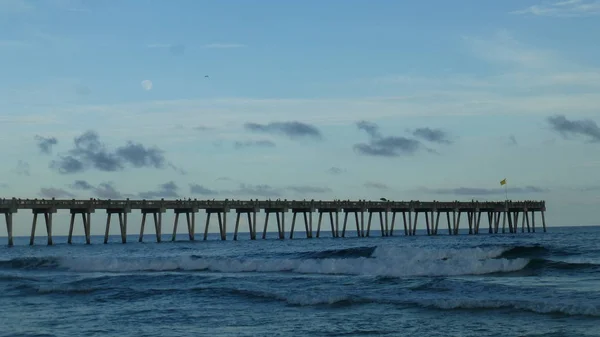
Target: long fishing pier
(509, 211)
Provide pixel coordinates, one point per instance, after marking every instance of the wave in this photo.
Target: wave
(541, 307)
(31, 263)
(379, 261)
(538, 264)
(525, 251)
(382, 261)
(339, 253)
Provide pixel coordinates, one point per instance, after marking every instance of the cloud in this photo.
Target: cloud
(89, 152)
(22, 168)
(257, 190)
(260, 190)
(15, 6)
(384, 146)
(175, 49)
(293, 129)
(568, 128)
(82, 90)
(371, 129)
(253, 143)
(177, 168)
(107, 191)
(563, 8)
(45, 143)
(51, 192)
(147, 85)
(201, 190)
(166, 190)
(223, 45)
(202, 128)
(388, 147)
(502, 48)
(10, 44)
(335, 170)
(104, 190)
(309, 189)
(139, 156)
(81, 185)
(475, 191)
(374, 185)
(432, 135)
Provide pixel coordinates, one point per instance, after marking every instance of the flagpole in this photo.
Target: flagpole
(506, 191)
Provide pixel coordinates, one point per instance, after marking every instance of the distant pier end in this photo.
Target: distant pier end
(507, 212)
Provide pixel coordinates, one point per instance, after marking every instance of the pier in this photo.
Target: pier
(505, 212)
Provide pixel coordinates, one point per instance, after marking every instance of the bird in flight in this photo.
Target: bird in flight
(206, 76)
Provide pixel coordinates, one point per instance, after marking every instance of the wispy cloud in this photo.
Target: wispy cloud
(10, 44)
(105, 190)
(45, 144)
(390, 146)
(51, 192)
(202, 190)
(432, 135)
(223, 45)
(262, 190)
(166, 190)
(175, 49)
(375, 185)
(566, 128)
(476, 191)
(22, 168)
(335, 170)
(304, 190)
(505, 49)
(565, 8)
(293, 129)
(15, 6)
(253, 143)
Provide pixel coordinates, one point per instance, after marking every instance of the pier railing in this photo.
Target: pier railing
(235, 204)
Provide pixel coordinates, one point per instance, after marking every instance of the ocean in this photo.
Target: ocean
(538, 284)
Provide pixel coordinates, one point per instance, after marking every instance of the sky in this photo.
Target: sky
(407, 100)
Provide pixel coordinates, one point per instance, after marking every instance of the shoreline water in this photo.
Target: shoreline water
(484, 285)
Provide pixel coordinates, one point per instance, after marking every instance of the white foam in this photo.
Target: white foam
(386, 261)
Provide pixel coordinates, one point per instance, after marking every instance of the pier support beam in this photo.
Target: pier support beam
(157, 215)
(334, 223)
(47, 212)
(543, 221)
(307, 214)
(8, 217)
(222, 218)
(190, 216)
(359, 225)
(122, 214)
(251, 214)
(383, 223)
(85, 216)
(280, 211)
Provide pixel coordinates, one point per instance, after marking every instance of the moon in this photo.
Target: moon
(147, 85)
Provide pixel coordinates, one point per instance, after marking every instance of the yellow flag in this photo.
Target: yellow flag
(503, 181)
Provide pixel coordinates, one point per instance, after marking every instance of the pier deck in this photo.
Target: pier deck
(506, 211)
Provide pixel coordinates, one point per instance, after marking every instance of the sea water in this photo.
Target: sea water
(531, 284)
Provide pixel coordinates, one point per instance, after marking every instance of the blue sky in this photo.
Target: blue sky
(338, 99)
